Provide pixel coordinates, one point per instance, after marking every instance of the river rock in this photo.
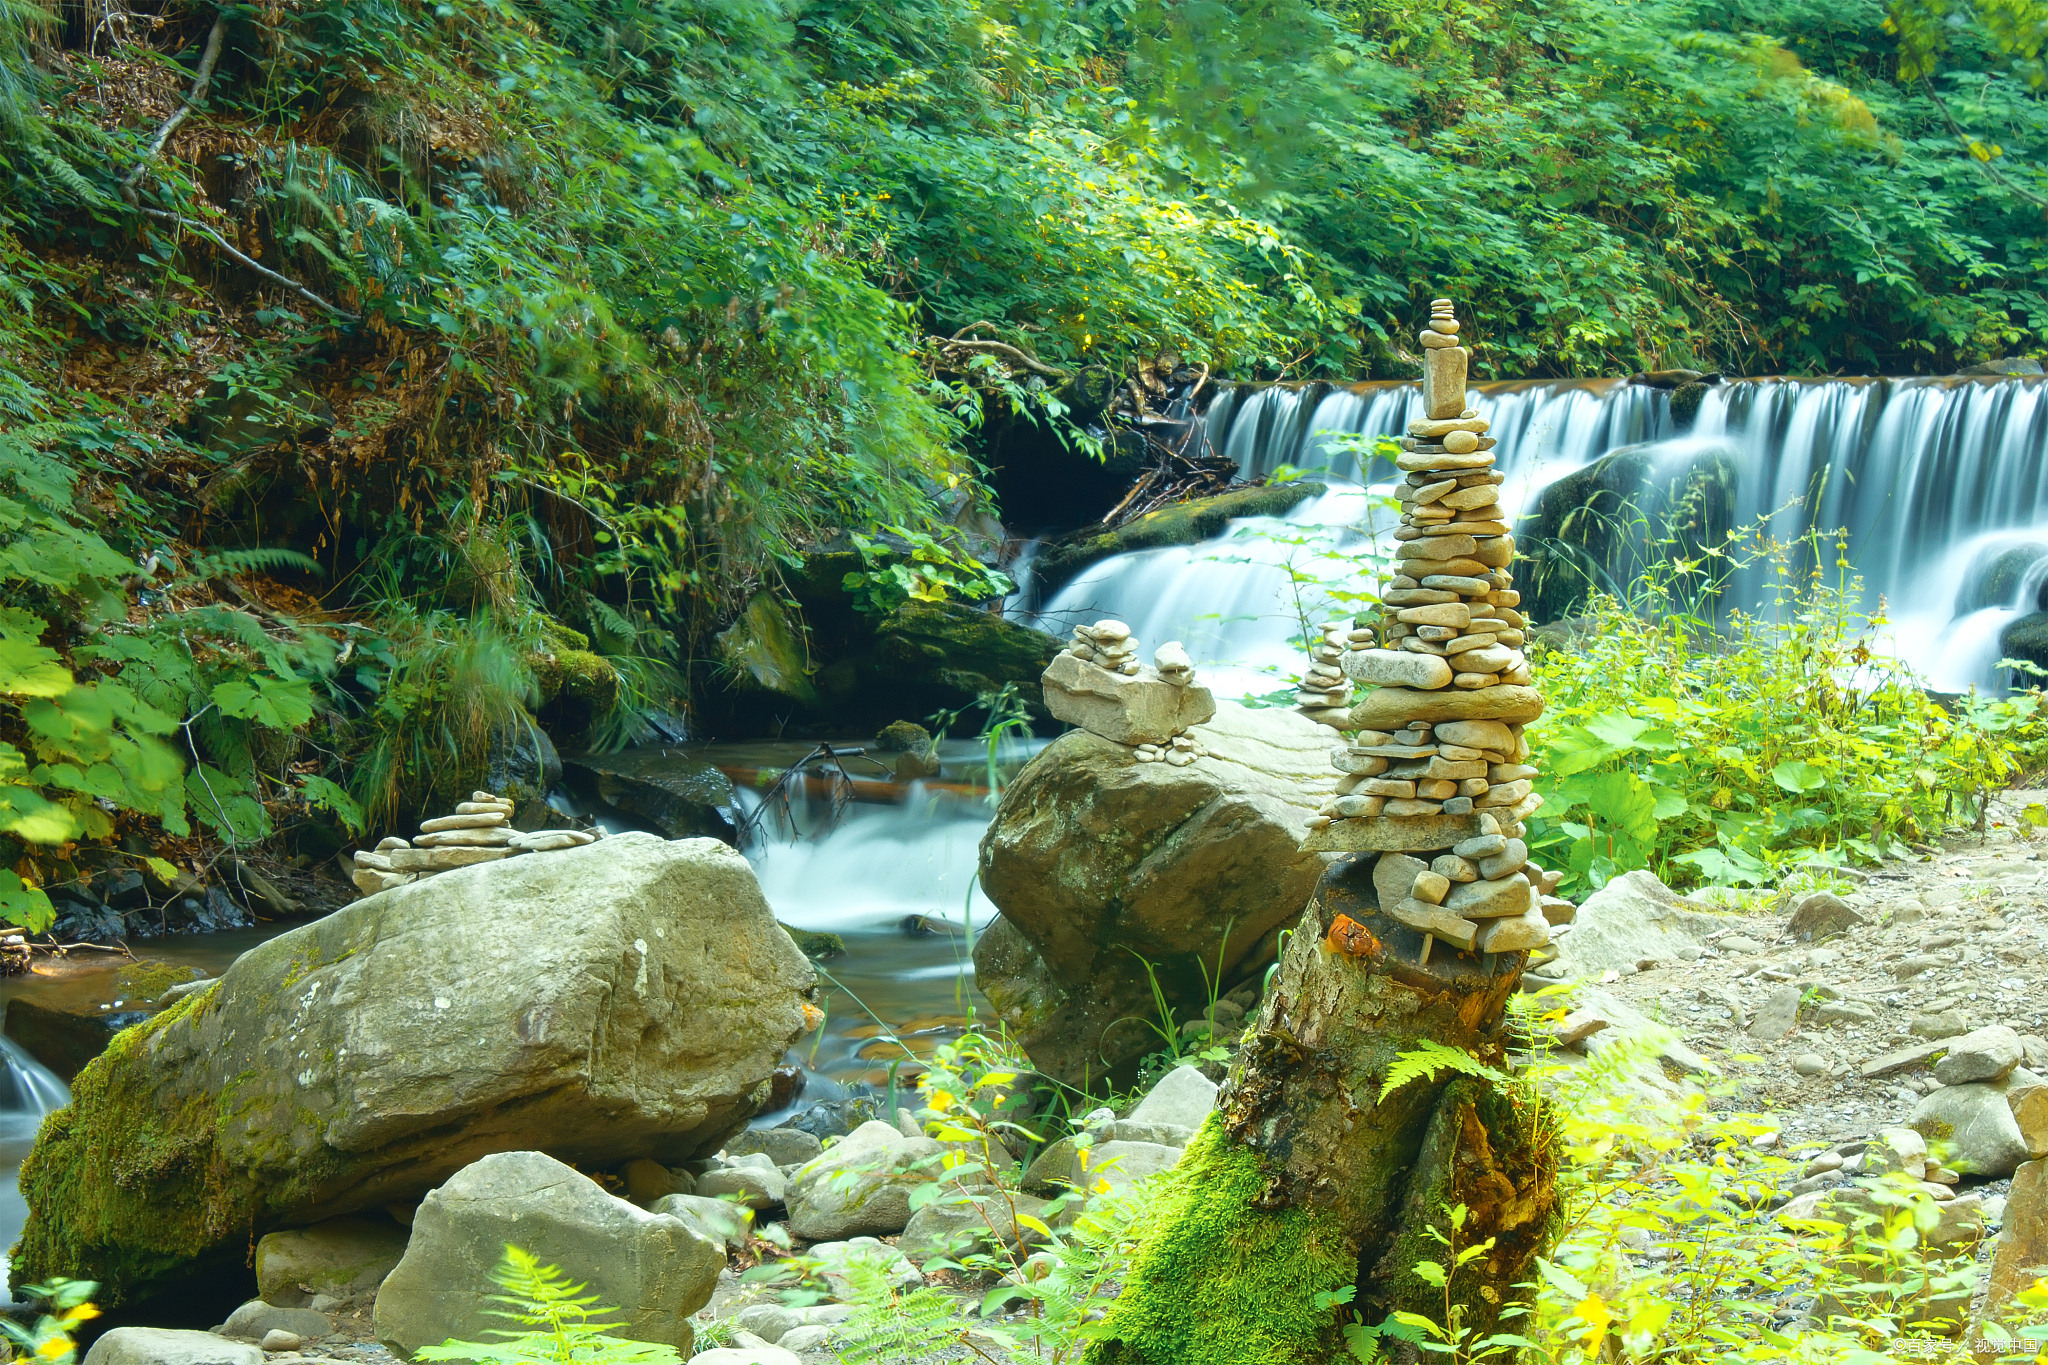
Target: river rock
(1397, 668)
(2021, 1255)
(715, 1220)
(1184, 1097)
(1822, 915)
(1062, 1167)
(167, 1346)
(952, 1227)
(1779, 1015)
(1391, 708)
(1988, 1054)
(1632, 919)
(1129, 709)
(2029, 1105)
(681, 796)
(861, 1186)
(783, 1146)
(256, 1319)
(1093, 858)
(1977, 1124)
(342, 1258)
(650, 1266)
(753, 1181)
(629, 998)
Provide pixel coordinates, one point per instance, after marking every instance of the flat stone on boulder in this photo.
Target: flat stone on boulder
(654, 1268)
(1986, 1054)
(1138, 708)
(629, 998)
(1391, 708)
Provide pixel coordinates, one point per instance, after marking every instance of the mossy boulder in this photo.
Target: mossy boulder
(1997, 575)
(629, 998)
(1598, 528)
(1186, 523)
(763, 652)
(932, 656)
(679, 795)
(2026, 638)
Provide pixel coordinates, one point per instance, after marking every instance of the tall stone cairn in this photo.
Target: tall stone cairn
(1436, 776)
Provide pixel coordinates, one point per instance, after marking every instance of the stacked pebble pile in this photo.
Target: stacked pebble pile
(480, 831)
(1179, 751)
(1108, 644)
(1325, 693)
(1437, 764)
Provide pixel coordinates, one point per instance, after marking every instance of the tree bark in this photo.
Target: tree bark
(1306, 1180)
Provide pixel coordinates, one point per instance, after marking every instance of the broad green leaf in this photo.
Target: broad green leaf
(1798, 775)
(27, 669)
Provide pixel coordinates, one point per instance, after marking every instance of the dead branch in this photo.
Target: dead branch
(204, 78)
(179, 221)
(1002, 349)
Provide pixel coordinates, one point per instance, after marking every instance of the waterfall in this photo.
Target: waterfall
(28, 1091)
(1941, 485)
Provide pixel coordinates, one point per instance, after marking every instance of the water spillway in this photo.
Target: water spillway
(1940, 484)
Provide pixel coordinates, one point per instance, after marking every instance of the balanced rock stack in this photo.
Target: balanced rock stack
(1437, 765)
(1097, 683)
(480, 831)
(1325, 693)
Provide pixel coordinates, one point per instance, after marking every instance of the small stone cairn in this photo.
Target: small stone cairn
(480, 831)
(1325, 693)
(1437, 765)
(1097, 683)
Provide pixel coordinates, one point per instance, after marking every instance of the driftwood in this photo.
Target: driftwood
(1315, 1175)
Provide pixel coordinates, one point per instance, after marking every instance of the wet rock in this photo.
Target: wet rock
(763, 653)
(752, 1181)
(343, 1258)
(69, 1022)
(782, 1146)
(681, 796)
(2021, 1255)
(1186, 523)
(164, 1346)
(1093, 857)
(628, 998)
(861, 1186)
(653, 1267)
(935, 656)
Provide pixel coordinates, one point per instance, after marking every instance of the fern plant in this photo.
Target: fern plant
(887, 1326)
(562, 1324)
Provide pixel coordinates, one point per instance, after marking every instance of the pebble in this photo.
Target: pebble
(1813, 1064)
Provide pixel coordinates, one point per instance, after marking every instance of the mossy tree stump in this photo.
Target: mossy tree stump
(1305, 1180)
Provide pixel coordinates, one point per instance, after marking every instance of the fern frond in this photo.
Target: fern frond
(1426, 1059)
(228, 563)
(562, 1324)
(887, 1327)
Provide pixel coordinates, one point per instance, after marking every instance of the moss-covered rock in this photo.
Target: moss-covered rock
(763, 651)
(2026, 638)
(932, 656)
(1186, 523)
(1596, 528)
(629, 998)
(1996, 576)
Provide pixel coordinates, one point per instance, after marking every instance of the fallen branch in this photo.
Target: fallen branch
(204, 78)
(251, 262)
(997, 348)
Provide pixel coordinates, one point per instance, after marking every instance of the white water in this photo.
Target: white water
(1929, 477)
(28, 1091)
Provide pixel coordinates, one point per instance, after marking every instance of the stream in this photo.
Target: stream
(1932, 478)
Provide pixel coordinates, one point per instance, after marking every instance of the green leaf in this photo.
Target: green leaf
(277, 703)
(324, 795)
(24, 905)
(1798, 775)
(27, 669)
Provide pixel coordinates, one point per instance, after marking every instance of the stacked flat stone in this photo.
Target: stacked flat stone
(1437, 765)
(479, 831)
(1106, 644)
(1325, 693)
(1179, 751)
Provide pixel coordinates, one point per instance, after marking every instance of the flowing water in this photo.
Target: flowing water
(28, 1091)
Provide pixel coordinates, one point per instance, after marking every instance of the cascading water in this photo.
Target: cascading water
(28, 1091)
(1941, 485)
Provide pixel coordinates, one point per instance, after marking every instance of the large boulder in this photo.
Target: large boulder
(931, 656)
(629, 998)
(1976, 1123)
(1633, 919)
(169, 1346)
(763, 653)
(653, 1269)
(2022, 1253)
(1103, 865)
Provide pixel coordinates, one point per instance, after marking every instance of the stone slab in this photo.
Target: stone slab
(1124, 708)
(1391, 708)
(1389, 834)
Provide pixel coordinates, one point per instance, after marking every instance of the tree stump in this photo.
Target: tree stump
(1306, 1180)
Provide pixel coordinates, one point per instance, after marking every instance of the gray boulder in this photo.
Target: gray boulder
(1822, 915)
(343, 1258)
(1094, 857)
(861, 1185)
(1184, 1097)
(628, 998)
(715, 1220)
(650, 1266)
(1633, 919)
(1062, 1166)
(783, 1146)
(256, 1319)
(1987, 1054)
(164, 1346)
(1978, 1126)
(956, 1226)
(751, 1180)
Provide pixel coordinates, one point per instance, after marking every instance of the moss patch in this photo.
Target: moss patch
(1221, 1282)
(149, 977)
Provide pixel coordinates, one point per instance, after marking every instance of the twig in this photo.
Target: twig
(265, 271)
(192, 97)
(998, 348)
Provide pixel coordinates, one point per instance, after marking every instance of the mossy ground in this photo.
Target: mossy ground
(1221, 1282)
